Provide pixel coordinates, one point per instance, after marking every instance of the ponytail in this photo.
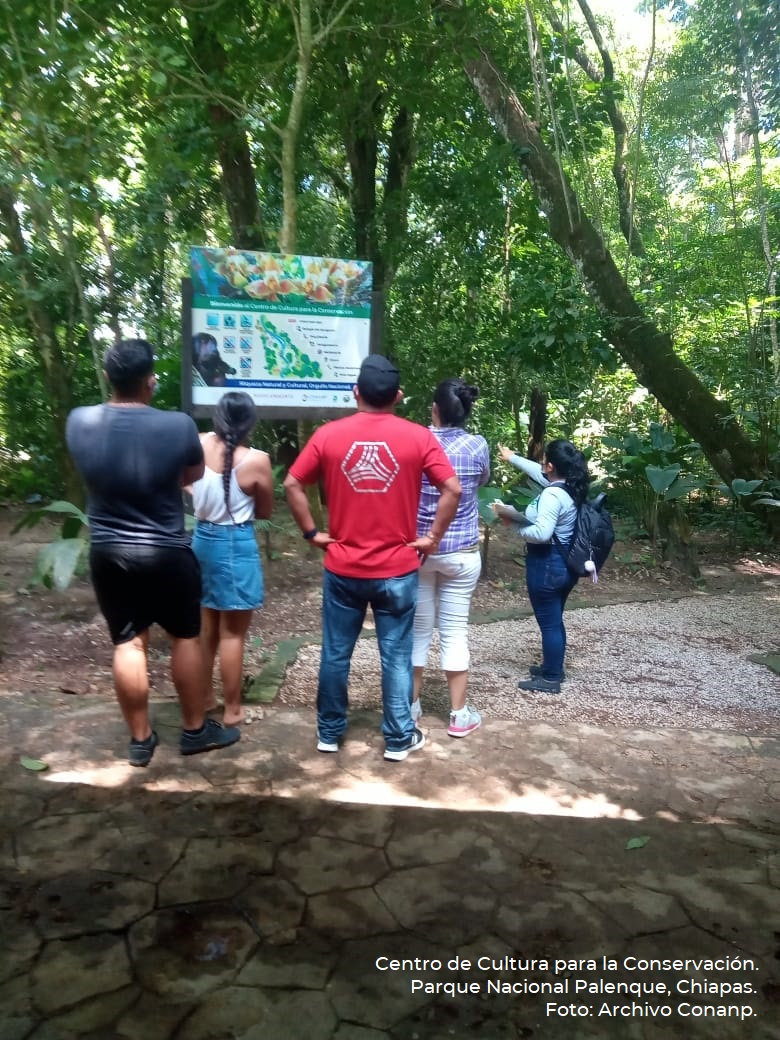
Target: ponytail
(454, 399)
(570, 464)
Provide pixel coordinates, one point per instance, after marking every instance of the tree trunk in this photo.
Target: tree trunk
(43, 334)
(363, 112)
(537, 425)
(400, 159)
(239, 186)
(642, 345)
(675, 535)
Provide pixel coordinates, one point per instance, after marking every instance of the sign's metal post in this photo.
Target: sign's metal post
(186, 345)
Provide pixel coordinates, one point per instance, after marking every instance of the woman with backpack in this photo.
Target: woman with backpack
(548, 529)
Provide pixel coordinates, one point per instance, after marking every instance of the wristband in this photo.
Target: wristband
(308, 535)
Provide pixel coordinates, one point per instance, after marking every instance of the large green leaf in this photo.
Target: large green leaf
(660, 438)
(745, 487)
(661, 478)
(682, 487)
(57, 562)
(61, 506)
(486, 495)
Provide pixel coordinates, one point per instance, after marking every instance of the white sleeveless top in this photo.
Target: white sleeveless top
(208, 498)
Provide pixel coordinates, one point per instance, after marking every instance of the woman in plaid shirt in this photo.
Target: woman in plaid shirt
(449, 576)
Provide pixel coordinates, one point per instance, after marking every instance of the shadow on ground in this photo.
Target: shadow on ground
(264, 891)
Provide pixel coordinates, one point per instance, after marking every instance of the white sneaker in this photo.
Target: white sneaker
(416, 710)
(464, 722)
(417, 741)
(326, 746)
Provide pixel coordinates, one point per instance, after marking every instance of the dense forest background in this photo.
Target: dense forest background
(584, 223)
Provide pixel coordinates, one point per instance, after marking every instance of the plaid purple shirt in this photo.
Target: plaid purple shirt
(470, 458)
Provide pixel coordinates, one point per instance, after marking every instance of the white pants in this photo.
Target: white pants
(447, 584)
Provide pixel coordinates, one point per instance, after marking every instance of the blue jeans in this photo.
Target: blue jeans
(549, 583)
(344, 605)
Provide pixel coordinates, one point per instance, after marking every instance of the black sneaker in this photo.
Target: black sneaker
(209, 737)
(140, 752)
(536, 669)
(539, 685)
(417, 741)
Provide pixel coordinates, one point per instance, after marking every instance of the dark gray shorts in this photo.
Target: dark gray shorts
(141, 585)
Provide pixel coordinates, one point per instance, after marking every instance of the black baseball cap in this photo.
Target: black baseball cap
(378, 380)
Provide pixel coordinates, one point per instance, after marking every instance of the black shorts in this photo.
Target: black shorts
(140, 585)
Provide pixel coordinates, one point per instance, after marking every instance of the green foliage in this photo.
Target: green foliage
(118, 120)
(650, 469)
(762, 494)
(485, 496)
(57, 562)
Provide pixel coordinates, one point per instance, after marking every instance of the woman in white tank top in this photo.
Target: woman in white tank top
(236, 487)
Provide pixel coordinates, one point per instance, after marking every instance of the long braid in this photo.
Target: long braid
(234, 417)
(227, 467)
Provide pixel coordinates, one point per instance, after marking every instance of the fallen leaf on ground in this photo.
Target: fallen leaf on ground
(33, 764)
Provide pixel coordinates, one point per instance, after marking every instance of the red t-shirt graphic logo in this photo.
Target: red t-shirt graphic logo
(370, 467)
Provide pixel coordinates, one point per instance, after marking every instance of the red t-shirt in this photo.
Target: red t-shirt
(372, 464)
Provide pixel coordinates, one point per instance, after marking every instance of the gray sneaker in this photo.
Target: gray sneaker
(417, 741)
(211, 736)
(140, 752)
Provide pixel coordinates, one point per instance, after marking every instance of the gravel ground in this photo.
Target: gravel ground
(683, 663)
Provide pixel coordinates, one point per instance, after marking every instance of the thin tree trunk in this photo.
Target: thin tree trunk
(761, 198)
(301, 13)
(617, 121)
(537, 425)
(641, 344)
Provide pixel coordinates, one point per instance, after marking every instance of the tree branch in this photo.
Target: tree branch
(617, 121)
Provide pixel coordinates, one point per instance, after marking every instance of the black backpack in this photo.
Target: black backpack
(592, 540)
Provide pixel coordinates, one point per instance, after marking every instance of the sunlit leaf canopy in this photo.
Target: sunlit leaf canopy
(131, 130)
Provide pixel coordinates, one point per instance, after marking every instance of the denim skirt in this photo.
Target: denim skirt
(232, 575)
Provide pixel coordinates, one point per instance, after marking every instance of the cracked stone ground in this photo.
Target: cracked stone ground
(254, 893)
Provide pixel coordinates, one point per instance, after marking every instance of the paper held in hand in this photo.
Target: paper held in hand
(509, 513)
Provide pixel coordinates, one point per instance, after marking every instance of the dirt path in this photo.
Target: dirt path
(681, 659)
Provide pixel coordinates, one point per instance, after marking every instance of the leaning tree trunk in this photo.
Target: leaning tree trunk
(642, 345)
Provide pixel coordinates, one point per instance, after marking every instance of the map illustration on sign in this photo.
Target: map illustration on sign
(290, 330)
(282, 356)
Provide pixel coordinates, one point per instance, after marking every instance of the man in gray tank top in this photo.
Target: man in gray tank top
(134, 460)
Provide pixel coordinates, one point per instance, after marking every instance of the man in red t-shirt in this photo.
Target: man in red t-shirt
(371, 465)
